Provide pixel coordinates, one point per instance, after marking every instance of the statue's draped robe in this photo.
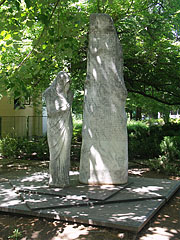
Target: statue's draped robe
(59, 130)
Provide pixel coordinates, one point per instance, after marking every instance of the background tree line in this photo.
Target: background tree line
(40, 38)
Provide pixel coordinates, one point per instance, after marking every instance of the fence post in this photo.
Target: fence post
(14, 129)
(27, 126)
(0, 127)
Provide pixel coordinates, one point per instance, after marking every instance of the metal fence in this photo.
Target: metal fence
(22, 126)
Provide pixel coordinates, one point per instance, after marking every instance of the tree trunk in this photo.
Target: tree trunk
(138, 113)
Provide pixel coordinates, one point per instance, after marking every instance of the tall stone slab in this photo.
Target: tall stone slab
(58, 99)
(104, 151)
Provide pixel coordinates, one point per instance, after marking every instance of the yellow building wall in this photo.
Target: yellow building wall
(7, 108)
(19, 122)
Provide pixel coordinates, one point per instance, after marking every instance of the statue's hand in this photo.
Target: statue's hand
(65, 107)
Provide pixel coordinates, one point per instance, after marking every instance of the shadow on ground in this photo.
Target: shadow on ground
(165, 225)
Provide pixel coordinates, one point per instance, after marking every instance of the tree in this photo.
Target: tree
(40, 38)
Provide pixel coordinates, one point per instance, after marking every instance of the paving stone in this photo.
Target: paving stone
(130, 216)
(4, 180)
(89, 192)
(8, 196)
(37, 201)
(128, 209)
(149, 188)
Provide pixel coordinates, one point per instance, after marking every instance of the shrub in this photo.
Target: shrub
(168, 161)
(36, 148)
(143, 140)
(162, 164)
(77, 129)
(14, 147)
(170, 147)
(9, 147)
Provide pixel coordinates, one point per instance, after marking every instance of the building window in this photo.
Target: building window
(18, 104)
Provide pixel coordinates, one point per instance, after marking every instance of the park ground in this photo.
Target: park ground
(164, 225)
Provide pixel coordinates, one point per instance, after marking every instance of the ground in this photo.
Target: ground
(164, 225)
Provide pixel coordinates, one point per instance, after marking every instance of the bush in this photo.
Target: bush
(9, 147)
(15, 147)
(144, 140)
(171, 129)
(169, 160)
(170, 147)
(36, 148)
(137, 135)
(77, 129)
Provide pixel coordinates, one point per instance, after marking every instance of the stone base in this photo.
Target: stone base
(101, 177)
(127, 207)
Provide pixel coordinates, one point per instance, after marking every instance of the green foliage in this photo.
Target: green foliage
(15, 147)
(170, 147)
(16, 235)
(162, 165)
(76, 141)
(169, 160)
(144, 139)
(40, 38)
(36, 148)
(77, 129)
(9, 147)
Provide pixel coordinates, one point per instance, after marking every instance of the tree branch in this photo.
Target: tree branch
(3, 1)
(159, 88)
(130, 5)
(39, 39)
(155, 98)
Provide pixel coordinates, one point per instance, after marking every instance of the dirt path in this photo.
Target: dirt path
(165, 225)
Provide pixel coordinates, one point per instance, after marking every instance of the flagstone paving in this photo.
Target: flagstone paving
(128, 207)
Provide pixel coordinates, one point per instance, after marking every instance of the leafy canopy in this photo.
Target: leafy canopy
(40, 38)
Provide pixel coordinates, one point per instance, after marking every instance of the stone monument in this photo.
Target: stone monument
(104, 151)
(58, 99)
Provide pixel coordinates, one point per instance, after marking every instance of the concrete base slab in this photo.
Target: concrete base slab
(127, 207)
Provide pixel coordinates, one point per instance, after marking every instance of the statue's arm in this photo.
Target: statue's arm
(64, 108)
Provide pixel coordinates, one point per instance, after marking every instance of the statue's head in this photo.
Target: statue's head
(62, 82)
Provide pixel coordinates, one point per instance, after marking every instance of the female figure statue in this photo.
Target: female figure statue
(58, 99)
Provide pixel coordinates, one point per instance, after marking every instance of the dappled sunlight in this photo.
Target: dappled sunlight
(138, 171)
(99, 59)
(90, 214)
(97, 159)
(123, 216)
(160, 233)
(99, 172)
(11, 203)
(71, 232)
(148, 190)
(8, 197)
(95, 74)
(90, 132)
(36, 177)
(71, 173)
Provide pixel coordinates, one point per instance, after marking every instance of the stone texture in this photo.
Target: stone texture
(129, 209)
(100, 193)
(58, 99)
(104, 152)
